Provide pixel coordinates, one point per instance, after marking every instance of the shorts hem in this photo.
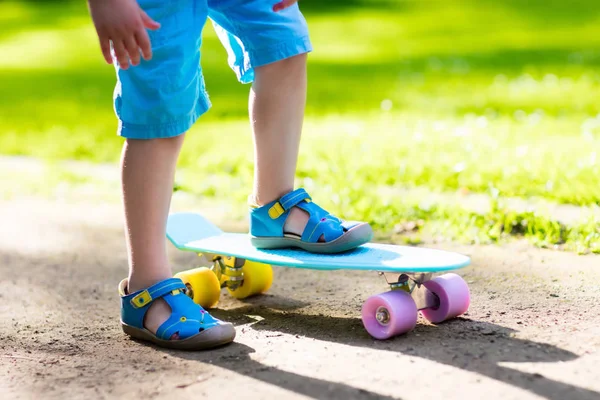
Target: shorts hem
(165, 130)
(269, 55)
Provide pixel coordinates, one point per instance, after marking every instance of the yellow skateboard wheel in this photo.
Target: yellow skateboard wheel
(258, 278)
(202, 285)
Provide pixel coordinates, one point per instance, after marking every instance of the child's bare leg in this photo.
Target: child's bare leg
(148, 170)
(277, 101)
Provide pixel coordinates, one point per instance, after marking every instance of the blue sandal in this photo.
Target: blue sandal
(197, 329)
(267, 222)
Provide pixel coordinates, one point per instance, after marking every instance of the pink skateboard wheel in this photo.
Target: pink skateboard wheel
(454, 296)
(389, 314)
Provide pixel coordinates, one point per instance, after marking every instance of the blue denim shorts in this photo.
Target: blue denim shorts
(164, 96)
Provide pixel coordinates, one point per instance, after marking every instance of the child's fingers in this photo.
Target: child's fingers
(121, 54)
(105, 47)
(283, 4)
(143, 41)
(149, 22)
(132, 49)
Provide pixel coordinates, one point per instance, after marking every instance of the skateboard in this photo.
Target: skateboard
(245, 271)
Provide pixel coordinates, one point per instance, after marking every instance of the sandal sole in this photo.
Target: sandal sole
(350, 240)
(216, 336)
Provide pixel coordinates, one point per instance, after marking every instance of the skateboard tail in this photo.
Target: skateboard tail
(183, 228)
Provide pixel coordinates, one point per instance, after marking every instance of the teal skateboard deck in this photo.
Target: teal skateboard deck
(192, 232)
(246, 271)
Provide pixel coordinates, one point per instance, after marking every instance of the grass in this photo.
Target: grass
(475, 95)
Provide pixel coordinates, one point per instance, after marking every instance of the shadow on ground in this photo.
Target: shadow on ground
(72, 283)
(446, 344)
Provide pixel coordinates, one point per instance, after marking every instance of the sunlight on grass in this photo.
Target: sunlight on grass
(424, 29)
(48, 49)
(473, 154)
(495, 97)
(12, 11)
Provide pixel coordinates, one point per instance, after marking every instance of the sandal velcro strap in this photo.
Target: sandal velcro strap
(157, 291)
(288, 201)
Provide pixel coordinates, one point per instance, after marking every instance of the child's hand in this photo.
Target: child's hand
(123, 23)
(283, 4)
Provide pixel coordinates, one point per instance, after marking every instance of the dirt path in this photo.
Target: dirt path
(533, 330)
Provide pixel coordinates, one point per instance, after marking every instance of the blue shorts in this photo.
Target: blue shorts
(164, 96)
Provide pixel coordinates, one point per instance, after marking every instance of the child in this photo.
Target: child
(159, 97)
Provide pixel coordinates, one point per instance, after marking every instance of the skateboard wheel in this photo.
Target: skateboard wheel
(202, 285)
(257, 279)
(389, 314)
(453, 294)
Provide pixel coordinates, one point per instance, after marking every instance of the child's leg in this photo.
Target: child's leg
(147, 172)
(269, 49)
(156, 102)
(276, 104)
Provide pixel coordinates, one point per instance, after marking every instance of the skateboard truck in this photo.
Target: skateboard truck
(229, 271)
(412, 283)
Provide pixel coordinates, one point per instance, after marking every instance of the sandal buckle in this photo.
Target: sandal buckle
(276, 211)
(141, 300)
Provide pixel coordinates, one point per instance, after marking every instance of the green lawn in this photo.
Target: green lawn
(496, 97)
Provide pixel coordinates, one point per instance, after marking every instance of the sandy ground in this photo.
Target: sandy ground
(532, 332)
